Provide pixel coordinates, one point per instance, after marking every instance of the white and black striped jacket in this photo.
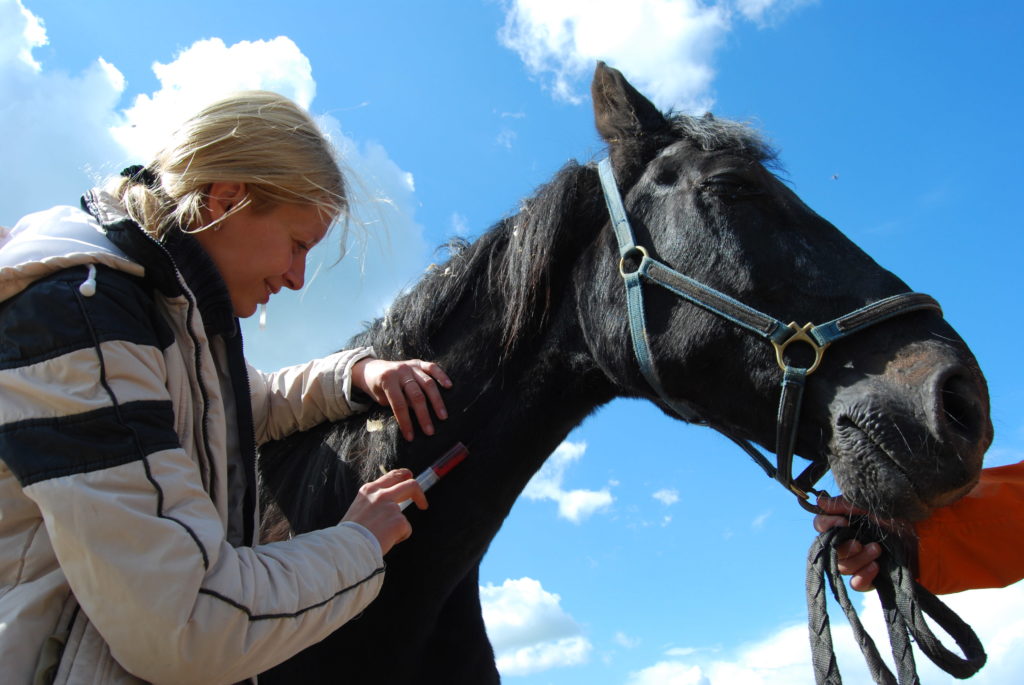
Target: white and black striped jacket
(126, 529)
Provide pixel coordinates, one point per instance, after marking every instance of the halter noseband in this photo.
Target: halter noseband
(779, 334)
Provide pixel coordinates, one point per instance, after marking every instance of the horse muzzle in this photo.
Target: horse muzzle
(912, 438)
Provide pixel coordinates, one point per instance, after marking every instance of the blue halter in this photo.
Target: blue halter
(779, 334)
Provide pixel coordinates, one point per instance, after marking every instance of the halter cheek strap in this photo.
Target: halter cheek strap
(773, 330)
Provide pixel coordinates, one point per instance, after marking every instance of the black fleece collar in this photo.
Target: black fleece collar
(205, 282)
(179, 252)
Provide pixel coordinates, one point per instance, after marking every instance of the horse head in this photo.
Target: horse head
(899, 410)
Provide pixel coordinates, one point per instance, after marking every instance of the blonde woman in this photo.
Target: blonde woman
(129, 417)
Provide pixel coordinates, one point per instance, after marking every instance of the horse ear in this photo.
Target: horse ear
(620, 111)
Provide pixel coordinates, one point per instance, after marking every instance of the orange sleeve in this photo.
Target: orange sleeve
(978, 541)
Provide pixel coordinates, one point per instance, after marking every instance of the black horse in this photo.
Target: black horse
(530, 321)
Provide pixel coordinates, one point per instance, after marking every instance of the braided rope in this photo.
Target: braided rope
(904, 605)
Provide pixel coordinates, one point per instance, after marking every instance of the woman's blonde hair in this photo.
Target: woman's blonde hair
(258, 138)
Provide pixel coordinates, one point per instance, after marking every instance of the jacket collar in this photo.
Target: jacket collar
(205, 282)
(178, 253)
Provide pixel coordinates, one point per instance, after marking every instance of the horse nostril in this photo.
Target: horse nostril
(958, 407)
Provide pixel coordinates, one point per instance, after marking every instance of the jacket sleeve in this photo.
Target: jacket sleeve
(976, 541)
(88, 428)
(299, 397)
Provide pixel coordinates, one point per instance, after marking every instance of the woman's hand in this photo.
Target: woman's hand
(376, 507)
(857, 560)
(404, 385)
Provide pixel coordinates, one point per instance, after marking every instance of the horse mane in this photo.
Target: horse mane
(506, 276)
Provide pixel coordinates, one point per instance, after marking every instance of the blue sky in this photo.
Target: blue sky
(645, 551)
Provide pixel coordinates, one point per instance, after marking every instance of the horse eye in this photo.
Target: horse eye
(729, 186)
(666, 173)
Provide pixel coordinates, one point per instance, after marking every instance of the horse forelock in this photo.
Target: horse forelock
(712, 134)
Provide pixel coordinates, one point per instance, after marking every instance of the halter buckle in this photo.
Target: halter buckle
(804, 499)
(798, 492)
(800, 334)
(622, 259)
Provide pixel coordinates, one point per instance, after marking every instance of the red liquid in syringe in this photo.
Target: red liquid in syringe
(438, 469)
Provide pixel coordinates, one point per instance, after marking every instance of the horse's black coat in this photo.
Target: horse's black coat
(529, 321)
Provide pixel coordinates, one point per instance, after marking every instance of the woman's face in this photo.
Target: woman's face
(258, 253)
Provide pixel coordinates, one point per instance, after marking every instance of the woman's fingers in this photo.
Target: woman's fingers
(411, 388)
(376, 507)
(823, 522)
(397, 486)
(435, 376)
(837, 505)
(854, 556)
(388, 480)
(419, 385)
(857, 560)
(401, 393)
(410, 490)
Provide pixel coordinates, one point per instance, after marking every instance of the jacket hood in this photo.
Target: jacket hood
(101, 233)
(49, 241)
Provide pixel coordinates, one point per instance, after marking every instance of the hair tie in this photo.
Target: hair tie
(140, 174)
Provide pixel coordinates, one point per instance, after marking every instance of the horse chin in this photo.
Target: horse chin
(877, 471)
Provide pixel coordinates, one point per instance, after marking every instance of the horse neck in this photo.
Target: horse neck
(523, 398)
(524, 402)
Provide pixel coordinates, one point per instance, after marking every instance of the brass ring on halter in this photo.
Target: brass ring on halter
(800, 334)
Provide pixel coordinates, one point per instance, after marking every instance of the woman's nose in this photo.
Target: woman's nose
(295, 277)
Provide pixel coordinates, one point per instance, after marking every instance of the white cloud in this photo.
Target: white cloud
(768, 12)
(783, 658)
(668, 673)
(577, 505)
(20, 32)
(667, 496)
(574, 505)
(626, 641)
(506, 138)
(529, 629)
(460, 225)
(186, 86)
(570, 651)
(665, 46)
(55, 125)
(759, 521)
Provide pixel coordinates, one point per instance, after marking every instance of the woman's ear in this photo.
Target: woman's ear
(222, 196)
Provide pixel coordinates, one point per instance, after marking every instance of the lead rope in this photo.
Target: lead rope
(904, 603)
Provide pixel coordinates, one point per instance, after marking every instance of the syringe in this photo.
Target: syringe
(438, 469)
